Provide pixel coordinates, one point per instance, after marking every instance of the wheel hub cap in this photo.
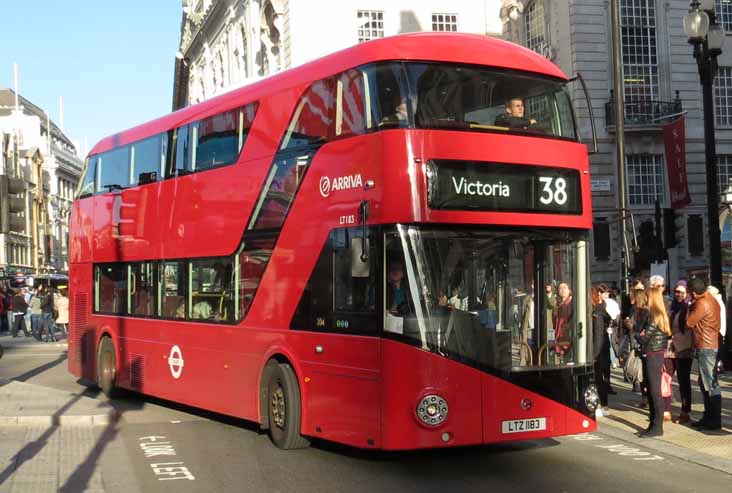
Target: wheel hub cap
(278, 407)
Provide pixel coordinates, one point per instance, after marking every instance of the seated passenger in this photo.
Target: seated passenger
(514, 115)
(398, 118)
(456, 302)
(202, 310)
(398, 299)
(488, 315)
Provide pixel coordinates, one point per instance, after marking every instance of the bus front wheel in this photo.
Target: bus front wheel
(283, 408)
(106, 367)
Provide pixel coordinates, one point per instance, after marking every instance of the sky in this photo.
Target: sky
(113, 62)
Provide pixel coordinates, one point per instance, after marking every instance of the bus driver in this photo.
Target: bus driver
(514, 115)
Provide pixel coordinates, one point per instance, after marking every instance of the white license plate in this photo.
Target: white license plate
(523, 425)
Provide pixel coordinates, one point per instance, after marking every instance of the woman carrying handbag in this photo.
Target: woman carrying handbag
(653, 339)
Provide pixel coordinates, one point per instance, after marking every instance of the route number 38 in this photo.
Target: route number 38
(554, 190)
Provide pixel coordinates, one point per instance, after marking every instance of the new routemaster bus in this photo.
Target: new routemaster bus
(368, 249)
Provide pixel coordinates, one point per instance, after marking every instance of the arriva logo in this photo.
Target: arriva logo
(328, 185)
(464, 187)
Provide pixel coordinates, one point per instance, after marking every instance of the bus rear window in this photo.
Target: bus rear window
(478, 99)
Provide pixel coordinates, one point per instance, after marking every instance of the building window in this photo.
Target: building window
(601, 238)
(724, 14)
(645, 178)
(534, 25)
(444, 22)
(723, 96)
(370, 25)
(724, 171)
(640, 57)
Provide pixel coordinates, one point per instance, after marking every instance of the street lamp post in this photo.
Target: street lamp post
(708, 37)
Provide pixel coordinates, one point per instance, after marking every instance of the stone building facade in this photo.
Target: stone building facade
(38, 178)
(660, 82)
(229, 43)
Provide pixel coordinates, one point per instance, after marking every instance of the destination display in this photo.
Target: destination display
(468, 185)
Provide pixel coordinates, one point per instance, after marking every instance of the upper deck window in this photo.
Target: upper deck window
(89, 182)
(218, 139)
(147, 158)
(115, 169)
(481, 99)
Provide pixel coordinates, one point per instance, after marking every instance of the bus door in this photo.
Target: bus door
(340, 343)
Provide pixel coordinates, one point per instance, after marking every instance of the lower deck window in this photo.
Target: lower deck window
(196, 290)
(111, 292)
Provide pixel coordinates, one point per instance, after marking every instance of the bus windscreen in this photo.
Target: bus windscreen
(448, 96)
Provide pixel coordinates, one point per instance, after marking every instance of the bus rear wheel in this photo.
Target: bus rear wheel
(106, 367)
(283, 408)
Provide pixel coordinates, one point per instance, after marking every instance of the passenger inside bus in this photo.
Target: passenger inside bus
(398, 298)
(514, 117)
(397, 119)
(562, 316)
(202, 310)
(488, 315)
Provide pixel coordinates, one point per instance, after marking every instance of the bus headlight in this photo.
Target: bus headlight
(432, 410)
(592, 398)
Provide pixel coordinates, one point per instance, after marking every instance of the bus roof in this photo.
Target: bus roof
(423, 46)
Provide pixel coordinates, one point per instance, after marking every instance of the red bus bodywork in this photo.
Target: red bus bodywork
(360, 391)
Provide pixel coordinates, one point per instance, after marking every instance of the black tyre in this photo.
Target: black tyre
(283, 408)
(106, 367)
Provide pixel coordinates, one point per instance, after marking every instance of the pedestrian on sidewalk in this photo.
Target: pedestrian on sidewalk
(4, 327)
(653, 339)
(613, 331)
(600, 323)
(704, 320)
(656, 281)
(62, 310)
(36, 311)
(634, 323)
(678, 357)
(9, 317)
(48, 321)
(722, 326)
(20, 307)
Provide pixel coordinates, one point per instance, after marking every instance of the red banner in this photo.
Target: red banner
(674, 136)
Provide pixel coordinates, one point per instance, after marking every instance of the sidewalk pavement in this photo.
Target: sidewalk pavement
(709, 448)
(10, 343)
(52, 440)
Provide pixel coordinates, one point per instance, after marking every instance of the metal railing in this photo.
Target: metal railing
(645, 113)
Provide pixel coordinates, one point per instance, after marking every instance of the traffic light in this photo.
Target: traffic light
(673, 225)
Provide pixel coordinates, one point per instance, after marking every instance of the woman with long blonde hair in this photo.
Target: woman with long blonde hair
(653, 339)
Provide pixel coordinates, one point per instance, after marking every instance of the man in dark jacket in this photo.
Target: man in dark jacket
(514, 115)
(20, 307)
(704, 319)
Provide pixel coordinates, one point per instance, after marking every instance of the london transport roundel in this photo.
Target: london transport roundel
(175, 362)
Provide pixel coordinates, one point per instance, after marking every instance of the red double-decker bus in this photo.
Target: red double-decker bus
(377, 248)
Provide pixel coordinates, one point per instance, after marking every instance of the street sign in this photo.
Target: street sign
(600, 184)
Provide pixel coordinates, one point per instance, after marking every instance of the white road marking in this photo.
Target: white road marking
(157, 445)
(620, 449)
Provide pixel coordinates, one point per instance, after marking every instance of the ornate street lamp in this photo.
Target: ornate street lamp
(708, 38)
